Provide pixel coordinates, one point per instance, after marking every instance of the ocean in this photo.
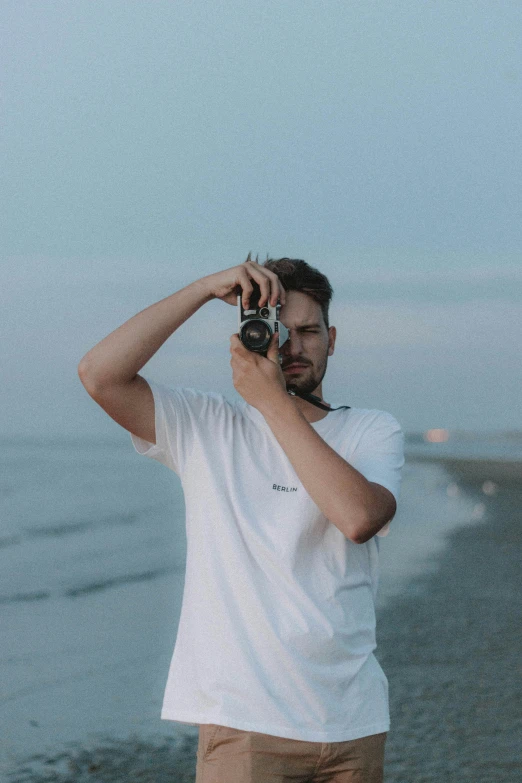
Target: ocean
(92, 553)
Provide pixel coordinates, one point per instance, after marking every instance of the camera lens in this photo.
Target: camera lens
(256, 335)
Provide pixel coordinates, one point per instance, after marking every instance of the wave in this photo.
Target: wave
(98, 585)
(82, 526)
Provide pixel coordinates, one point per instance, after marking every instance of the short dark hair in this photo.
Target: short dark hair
(297, 275)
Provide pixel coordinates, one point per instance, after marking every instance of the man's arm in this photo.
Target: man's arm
(358, 507)
(109, 371)
(117, 358)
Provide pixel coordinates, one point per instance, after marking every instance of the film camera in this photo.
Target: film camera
(258, 324)
(256, 327)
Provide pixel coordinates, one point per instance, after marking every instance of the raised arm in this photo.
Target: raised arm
(109, 371)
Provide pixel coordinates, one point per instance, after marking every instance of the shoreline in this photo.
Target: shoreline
(451, 649)
(474, 470)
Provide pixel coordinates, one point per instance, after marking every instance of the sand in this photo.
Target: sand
(451, 649)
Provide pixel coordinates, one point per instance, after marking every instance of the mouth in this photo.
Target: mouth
(294, 367)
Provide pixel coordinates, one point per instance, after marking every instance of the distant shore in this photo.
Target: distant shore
(477, 469)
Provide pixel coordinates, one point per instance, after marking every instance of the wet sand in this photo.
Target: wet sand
(451, 649)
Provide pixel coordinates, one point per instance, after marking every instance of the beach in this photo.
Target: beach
(448, 633)
(452, 648)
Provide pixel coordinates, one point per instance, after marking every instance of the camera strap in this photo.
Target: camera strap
(316, 400)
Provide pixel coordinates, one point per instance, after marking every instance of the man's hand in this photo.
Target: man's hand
(226, 285)
(259, 380)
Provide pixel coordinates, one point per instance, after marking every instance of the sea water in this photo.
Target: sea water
(92, 554)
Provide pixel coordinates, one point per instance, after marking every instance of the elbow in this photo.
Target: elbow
(361, 536)
(365, 529)
(366, 519)
(86, 377)
(82, 371)
(375, 517)
(355, 530)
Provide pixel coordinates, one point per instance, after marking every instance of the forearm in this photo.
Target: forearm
(120, 356)
(343, 494)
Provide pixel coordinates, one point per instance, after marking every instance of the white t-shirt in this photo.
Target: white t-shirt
(277, 626)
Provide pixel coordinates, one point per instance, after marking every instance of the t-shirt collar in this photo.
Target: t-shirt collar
(320, 425)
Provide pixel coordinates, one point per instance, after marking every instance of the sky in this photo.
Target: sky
(147, 144)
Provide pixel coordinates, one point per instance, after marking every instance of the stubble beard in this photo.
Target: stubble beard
(309, 379)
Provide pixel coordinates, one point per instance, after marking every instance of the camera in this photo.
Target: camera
(258, 324)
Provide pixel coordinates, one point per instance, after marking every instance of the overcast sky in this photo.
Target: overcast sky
(147, 144)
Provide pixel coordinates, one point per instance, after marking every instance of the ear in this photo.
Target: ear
(332, 334)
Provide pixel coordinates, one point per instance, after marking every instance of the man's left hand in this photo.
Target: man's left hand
(258, 379)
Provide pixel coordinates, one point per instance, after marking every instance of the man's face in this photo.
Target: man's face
(309, 343)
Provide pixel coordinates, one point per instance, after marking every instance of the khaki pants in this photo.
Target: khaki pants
(227, 755)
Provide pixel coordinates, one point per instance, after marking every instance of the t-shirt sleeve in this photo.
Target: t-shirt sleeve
(175, 412)
(379, 454)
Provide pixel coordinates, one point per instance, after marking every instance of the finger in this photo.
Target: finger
(263, 281)
(237, 345)
(273, 349)
(277, 288)
(247, 288)
(269, 283)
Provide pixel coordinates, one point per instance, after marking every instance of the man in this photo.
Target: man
(284, 499)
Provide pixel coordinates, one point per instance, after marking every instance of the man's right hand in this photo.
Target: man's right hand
(225, 285)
